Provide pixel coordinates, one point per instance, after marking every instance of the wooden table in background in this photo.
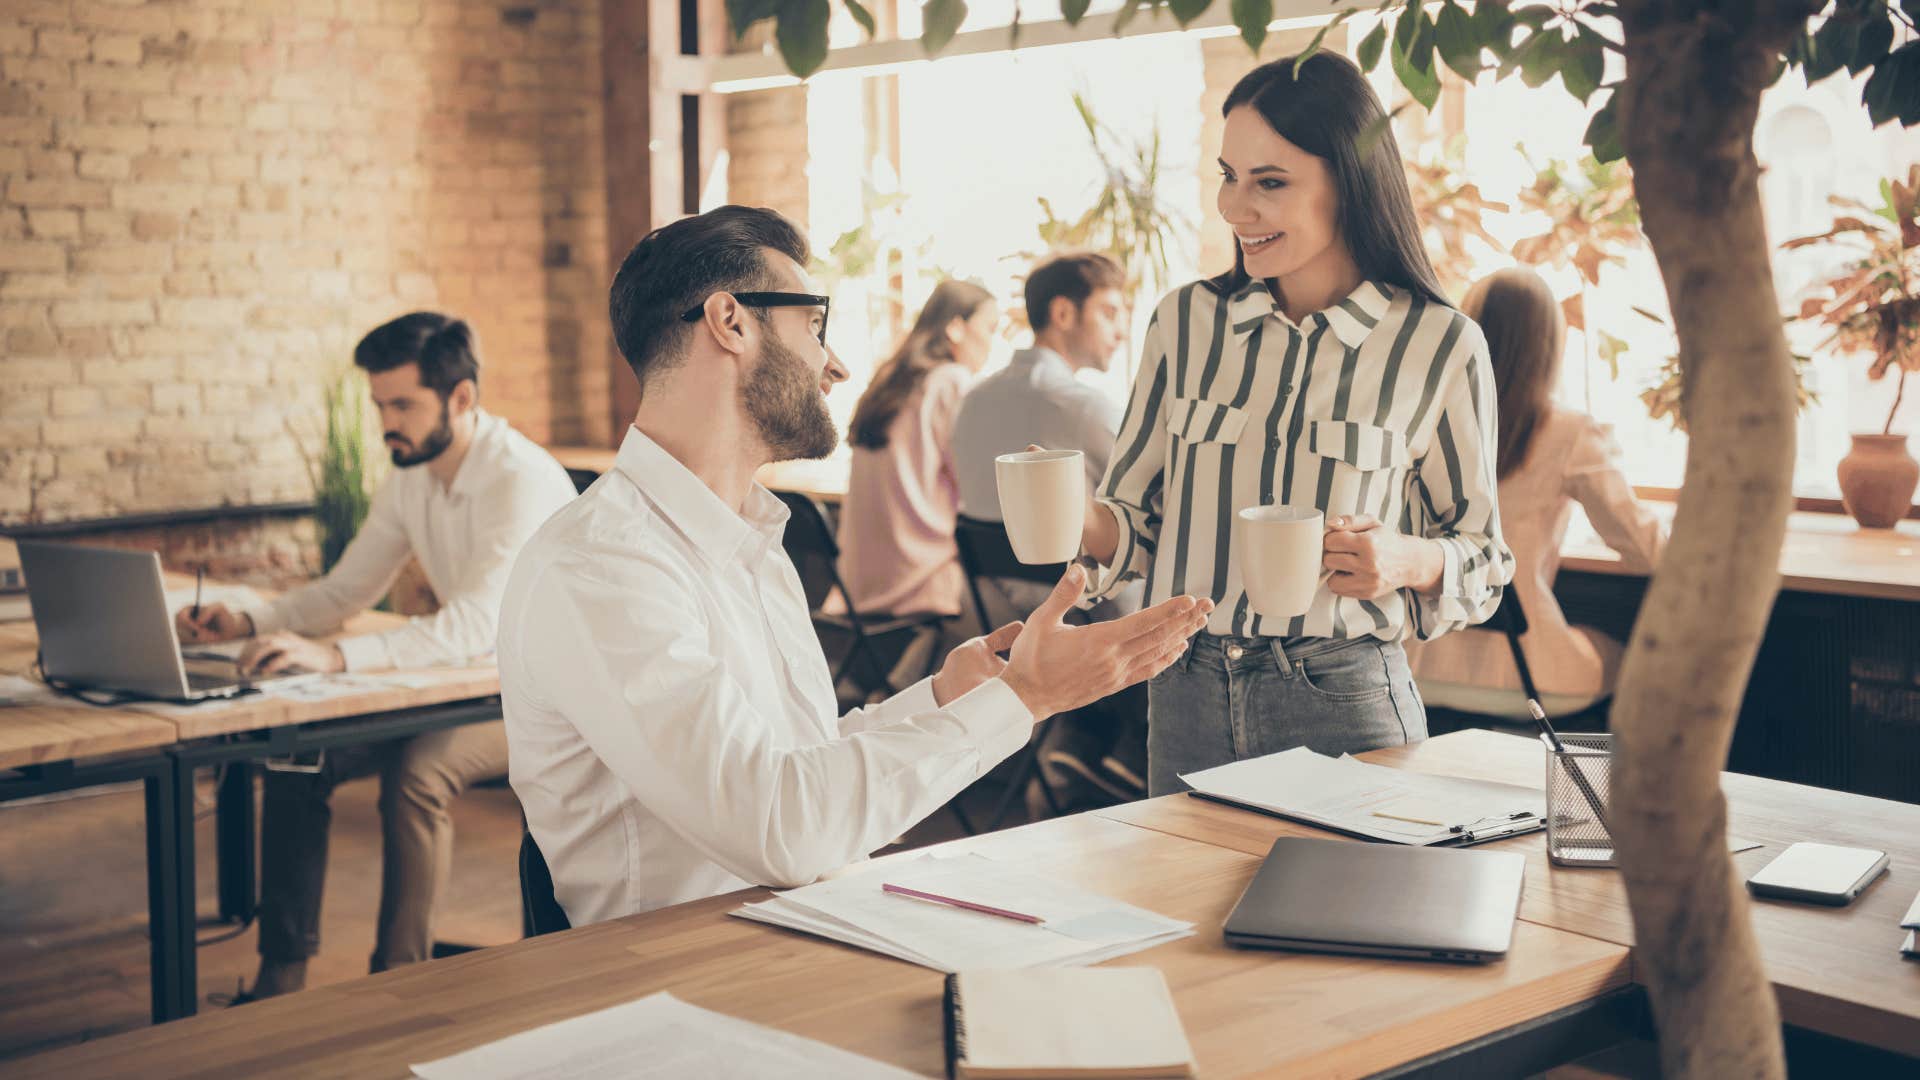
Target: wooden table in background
(1245, 1011)
(1835, 690)
(1837, 971)
(68, 745)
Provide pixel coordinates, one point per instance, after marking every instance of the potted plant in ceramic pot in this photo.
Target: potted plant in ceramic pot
(1874, 307)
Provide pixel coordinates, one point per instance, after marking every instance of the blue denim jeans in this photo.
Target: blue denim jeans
(1229, 698)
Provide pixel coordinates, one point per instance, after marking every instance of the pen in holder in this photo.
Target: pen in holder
(1577, 773)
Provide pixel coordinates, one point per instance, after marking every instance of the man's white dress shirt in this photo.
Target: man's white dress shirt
(670, 719)
(465, 535)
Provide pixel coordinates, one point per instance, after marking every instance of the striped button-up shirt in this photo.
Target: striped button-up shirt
(1382, 404)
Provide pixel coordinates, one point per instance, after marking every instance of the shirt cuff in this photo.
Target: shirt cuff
(366, 652)
(993, 716)
(912, 701)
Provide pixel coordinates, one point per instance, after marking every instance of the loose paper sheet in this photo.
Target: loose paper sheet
(658, 1037)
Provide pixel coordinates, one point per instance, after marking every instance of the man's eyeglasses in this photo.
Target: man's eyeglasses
(770, 300)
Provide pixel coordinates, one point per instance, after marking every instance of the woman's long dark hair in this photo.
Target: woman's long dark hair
(1526, 333)
(924, 348)
(1330, 112)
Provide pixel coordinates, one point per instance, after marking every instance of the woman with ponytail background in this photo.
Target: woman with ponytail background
(1325, 370)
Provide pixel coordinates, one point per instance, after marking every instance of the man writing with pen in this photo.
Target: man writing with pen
(466, 493)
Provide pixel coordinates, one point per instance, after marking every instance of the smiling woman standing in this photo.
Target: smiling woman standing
(1324, 371)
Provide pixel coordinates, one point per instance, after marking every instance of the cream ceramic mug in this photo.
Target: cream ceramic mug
(1279, 549)
(1043, 502)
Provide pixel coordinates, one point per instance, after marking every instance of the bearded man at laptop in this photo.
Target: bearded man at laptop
(466, 493)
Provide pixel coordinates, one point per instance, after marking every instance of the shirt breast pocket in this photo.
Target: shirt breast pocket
(1363, 446)
(1195, 420)
(1364, 468)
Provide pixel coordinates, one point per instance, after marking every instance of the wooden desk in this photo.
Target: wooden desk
(1245, 1011)
(1836, 970)
(824, 480)
(34, 734)
(69, 745)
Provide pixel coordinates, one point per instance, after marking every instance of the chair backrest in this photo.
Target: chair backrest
(1511, 619)
(811, 545)
(985, 552)
(540, 913)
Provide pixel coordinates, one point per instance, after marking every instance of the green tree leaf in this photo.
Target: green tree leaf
(1541, 57)
(1872, 42)
(1185, 11)
(1252, 17)
(801, 33)
(862, 16)
(1422, 82)
(1583, 64)
(1603, 132)
(1314, 45)
(1832, 48)
(1534, 15)
(1074, 10)
(1368, 52)
(1893, 91)
(1459, 45)
(940, 20)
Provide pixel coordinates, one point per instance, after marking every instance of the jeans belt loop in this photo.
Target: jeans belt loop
(1280, 661)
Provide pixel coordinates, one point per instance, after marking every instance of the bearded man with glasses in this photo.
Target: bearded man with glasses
(671, 723)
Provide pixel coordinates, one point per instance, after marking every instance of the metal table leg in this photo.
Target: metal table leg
(235, 848)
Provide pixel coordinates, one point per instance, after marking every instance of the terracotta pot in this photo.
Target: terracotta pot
(1877, 479)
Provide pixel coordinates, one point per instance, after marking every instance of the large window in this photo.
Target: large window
(983, 138)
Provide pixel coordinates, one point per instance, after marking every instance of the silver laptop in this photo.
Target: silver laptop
(1344, 896)
(104, 625)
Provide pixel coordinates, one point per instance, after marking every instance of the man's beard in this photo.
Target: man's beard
(785, 404)
(436, 443)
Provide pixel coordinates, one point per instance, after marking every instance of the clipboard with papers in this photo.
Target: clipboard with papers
(1374, 802)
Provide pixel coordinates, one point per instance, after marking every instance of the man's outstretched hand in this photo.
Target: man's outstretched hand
(1055, 667)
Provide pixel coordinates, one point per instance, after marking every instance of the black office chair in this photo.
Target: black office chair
(582, 479)
(540, 913)
(985, 552)
(874, 642)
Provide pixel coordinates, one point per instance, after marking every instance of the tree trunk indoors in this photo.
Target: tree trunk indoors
(1695, 72)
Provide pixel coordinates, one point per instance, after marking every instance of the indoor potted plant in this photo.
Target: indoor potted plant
(1873, 306)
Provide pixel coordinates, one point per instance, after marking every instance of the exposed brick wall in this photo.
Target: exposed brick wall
(767, 143)
(206, 202)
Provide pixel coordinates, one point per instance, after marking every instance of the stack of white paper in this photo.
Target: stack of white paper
(1077, 927)
(1370, 800)
(655, 1038)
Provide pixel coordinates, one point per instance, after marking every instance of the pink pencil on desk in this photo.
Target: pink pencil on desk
(902, 890)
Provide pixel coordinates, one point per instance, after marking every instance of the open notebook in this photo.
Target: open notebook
(1041, 1023)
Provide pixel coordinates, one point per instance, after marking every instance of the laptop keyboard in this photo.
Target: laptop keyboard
(197, 681)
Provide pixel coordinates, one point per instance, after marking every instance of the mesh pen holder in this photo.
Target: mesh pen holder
(1577, 785)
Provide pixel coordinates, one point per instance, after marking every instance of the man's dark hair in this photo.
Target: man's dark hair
(1075, 276)
(676, 267)
(443, 347)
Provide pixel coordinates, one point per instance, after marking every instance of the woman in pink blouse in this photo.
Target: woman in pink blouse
(896, 526)
(1549, 458)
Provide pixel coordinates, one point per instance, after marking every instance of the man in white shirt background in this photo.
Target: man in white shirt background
(466, 492)
(1078, 310)
(671, 719)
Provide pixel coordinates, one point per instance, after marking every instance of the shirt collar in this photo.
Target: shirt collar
(710, 526)
(471, 480)
(1351, 320)
(1042, 359)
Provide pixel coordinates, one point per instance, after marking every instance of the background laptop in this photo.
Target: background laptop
(103, 622)
(1346, 896)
